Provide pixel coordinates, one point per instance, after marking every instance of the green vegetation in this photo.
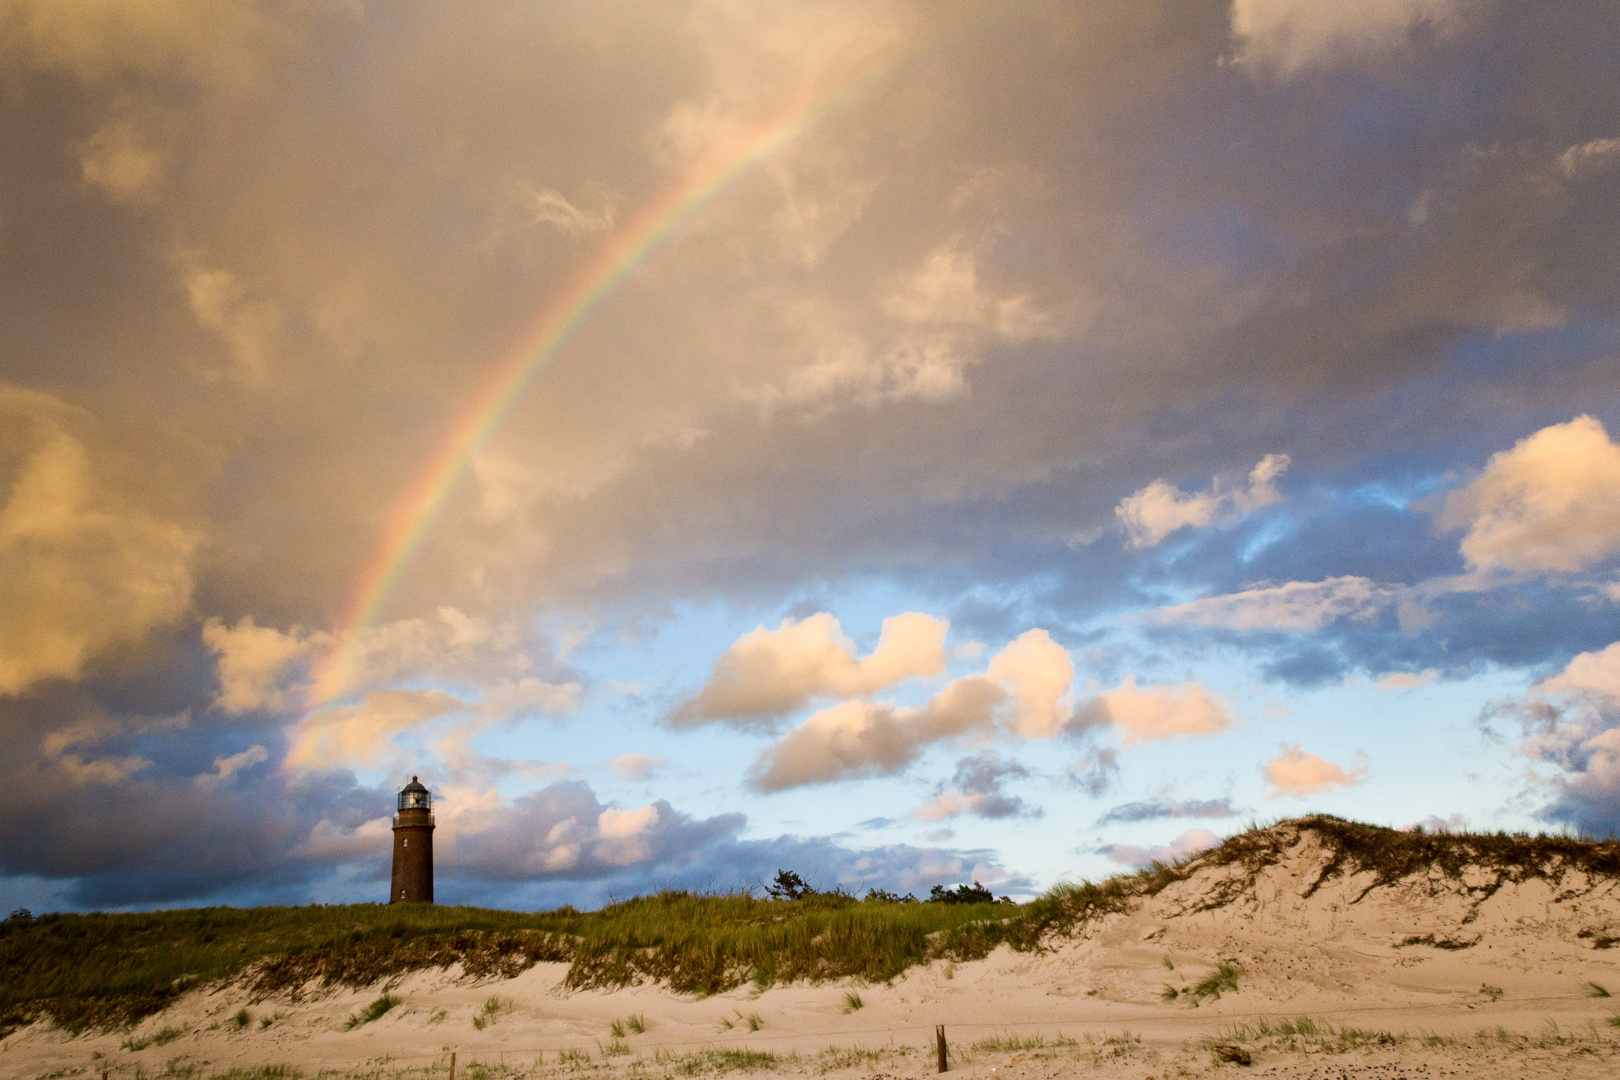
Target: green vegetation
(494, 1006)
(158, 1038)
(1595, 990)
(371, 1012)
(852, 1001)
(1224, 979)
(103, 970)
(723, 1061)
(1011, 1044)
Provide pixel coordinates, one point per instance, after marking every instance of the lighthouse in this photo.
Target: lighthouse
(413, 846)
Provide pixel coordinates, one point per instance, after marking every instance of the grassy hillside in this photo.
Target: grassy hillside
(105, 970)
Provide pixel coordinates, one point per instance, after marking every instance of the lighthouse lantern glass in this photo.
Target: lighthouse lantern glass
(415, 796)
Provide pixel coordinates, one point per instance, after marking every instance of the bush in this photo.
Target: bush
(789, 886)
(962, 894)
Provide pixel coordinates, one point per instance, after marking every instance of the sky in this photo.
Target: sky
(905, 442)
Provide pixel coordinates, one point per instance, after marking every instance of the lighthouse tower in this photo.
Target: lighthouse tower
(413, 846)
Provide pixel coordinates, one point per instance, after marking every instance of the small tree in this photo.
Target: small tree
(789, 886)
(962, 894)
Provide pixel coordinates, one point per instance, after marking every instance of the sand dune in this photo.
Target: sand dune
(1468, 965)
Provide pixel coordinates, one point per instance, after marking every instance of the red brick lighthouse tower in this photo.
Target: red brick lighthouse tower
(413, 846)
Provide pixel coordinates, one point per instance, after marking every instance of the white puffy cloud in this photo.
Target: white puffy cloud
(328, 841)
(1294, 773)
(1551, 503)
(1161, 508)
(83, 570)
(251, 661)
(1037, 672)
(360, 734)
(1183, 847)
(1286, 35)
(1298, 606)
(622, 835)
(1159, 712)
(766, 674)
(1590, 673)
(1025, 691)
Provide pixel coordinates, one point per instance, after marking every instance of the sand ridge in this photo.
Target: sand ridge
(1496, 968)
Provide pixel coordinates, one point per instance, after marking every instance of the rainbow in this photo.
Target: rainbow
(630, 245)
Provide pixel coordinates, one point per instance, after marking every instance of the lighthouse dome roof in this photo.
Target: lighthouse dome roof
(414, 785)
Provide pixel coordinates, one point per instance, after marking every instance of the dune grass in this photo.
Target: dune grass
(374, 1011)
(1223, 980)
(108, 970)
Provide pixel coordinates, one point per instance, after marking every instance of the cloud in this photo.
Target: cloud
(83, 572)
(1550, 504)
(1588, 673)
(1157, 713)
(1096, 773)
(250, 324)
(1183, 847)
(251, 661)
(1451, 823)
(1287, 35)
(1128, 813)
(1407, 680)
(767, 674)
(1025, 691)
(328, 842)
(976, 789)
(1572, 723)
(1294, 773)
(227, 767)
(1161, 508)
(120, 161)
(359, 735)
(510, 699)
(1296, 607)
(1588, 157)
(637, 767)
(551, 208)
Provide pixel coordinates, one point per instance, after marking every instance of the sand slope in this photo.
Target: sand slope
(1487, 969)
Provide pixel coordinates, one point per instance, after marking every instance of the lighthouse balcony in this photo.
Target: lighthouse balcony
(410, 818)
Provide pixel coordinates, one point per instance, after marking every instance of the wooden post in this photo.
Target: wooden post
(939, 1042)
(452, 1066)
